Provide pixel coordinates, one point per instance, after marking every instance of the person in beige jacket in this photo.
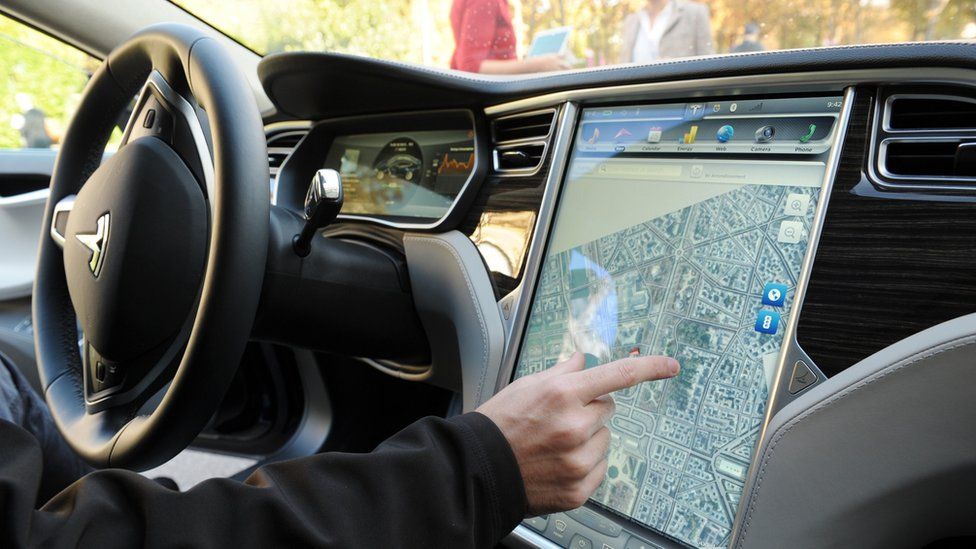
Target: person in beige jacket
(665, 29)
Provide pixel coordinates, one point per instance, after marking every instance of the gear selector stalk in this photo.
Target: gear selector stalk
(322, 204)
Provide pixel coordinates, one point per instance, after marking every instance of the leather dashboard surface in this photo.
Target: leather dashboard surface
(321, 85)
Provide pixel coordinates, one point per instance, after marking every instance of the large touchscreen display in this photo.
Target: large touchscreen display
(416, 175)
(665, 242)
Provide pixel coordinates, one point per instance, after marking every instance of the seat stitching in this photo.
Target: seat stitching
(474, 299)
(877, 376)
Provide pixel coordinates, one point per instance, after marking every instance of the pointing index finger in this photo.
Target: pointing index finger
(620, 374)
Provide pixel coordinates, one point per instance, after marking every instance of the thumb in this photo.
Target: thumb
(574, 363)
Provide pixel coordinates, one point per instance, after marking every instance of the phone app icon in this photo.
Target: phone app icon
(767, 322)
(774, 294)
(809, 134)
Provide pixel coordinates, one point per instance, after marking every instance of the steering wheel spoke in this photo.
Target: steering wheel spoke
(163, 113)
(102, 376)
(59, 221)
(129, 383)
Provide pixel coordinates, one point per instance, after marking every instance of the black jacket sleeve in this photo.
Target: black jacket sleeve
(437, 483)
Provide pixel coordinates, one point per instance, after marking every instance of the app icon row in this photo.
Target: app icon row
(765, 134)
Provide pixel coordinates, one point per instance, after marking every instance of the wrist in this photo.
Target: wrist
(500, 467)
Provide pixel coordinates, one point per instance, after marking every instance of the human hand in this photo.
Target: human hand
(555, 422)
(547, 63)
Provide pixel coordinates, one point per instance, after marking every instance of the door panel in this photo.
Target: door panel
(24, 175)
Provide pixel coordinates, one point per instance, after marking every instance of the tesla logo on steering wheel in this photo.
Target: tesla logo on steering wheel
(96, 243)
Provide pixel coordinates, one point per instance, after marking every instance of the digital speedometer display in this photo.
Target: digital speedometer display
(416, 175)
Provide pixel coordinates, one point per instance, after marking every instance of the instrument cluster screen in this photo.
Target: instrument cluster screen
(416, 175)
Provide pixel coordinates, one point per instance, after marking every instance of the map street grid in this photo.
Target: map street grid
(686, 284)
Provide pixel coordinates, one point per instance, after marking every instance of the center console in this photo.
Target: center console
(685, 229)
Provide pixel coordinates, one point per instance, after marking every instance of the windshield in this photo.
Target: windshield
(527, 36)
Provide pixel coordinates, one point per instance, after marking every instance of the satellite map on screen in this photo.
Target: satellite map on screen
(690, 284)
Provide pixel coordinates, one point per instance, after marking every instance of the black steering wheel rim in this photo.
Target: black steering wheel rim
(233, 259)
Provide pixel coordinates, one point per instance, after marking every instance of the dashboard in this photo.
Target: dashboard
(785, 234)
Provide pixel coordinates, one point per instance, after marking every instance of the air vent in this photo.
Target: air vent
(521, 127)
(927, 140)
(521, 141)
(280, 145)
(930, 158)
(930, 113)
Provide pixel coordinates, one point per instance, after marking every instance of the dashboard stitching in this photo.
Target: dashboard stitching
(768, 454)
(474, 298)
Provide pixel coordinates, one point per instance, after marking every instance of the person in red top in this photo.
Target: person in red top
(485, 40)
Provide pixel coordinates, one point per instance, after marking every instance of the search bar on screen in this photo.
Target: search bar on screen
(650, 170)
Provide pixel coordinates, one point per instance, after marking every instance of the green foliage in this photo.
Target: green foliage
(388, 29)
(52, 73)
(419, 31)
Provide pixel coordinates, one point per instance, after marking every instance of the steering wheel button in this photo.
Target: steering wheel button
(150, 118)
(100, 371)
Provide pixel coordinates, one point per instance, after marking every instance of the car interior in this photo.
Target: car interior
(305, 252)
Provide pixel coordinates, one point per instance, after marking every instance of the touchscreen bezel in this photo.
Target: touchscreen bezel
(521, 300)
(310, 154)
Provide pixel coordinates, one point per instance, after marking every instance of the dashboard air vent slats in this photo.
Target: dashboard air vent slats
(932, 158)
(926, 139)
(280, 145)
(521, 141)
(520, 156)
(934, 112)
(519, 127)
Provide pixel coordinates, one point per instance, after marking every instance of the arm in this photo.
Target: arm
(537, 446)
(437, 483)
(542, 63)
(477, 32)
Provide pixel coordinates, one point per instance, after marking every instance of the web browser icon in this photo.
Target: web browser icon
(725, 134)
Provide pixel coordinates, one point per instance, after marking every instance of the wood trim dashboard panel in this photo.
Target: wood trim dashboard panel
(501, 222)
(889, 264)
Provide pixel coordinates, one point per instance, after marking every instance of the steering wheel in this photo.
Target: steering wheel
(158, 253)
